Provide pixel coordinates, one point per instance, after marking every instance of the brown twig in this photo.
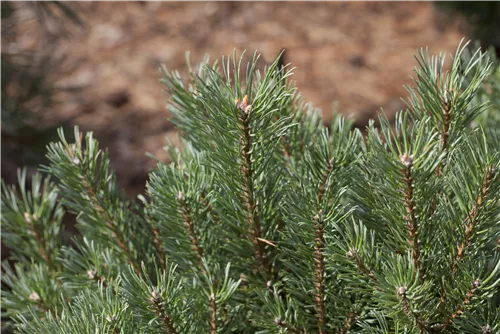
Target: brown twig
(213, 314)
(473, 215)
(287, 326)
(112, 227)
(44, 253)
(351, 318)
(185, 210)
(210, 208)
(157, 302)
(159, 247)
(255, 228)
(319, 274)
(408, 310)
(353, 254)
(319, 260)
(93, 275)
(411, 217)
(460, 310)
(35, 298)
(446, 134)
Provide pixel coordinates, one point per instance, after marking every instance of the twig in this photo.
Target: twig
(185, 210)
(319, 260)
(411, 218)
(157, 302)
(112, 226)
(353, 254)
(210, 208)
(460, 310)
(408, 310)
(287, 326)
(41, 240)
(248, 186)
(351, 318)
(93, 275)
(159, 247)
(213, 314)
(473, 215)
(446, 134)
(319, 274)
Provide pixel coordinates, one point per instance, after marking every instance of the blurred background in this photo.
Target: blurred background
(95, 64)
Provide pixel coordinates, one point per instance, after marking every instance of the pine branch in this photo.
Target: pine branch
(460, 310)
(319, 274)
(210, 208)
(409, 311)
(350, 320)
(213, 314)
(157, 302)
(252, 214)
(446, 134)
(111, 225)
(38, 301)
(41, 241)
(473, 215)
(93, 275)
(159, 247)
(319, 260)
(411, 218)
(283, 324)
(353, 254)
(185, 210)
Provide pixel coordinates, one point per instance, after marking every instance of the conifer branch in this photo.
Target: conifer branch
(213, 314)
(159, 247)
(283, 324)
(185, 210)
(112, 226)
(322, 186)
(446, 133)
(41, 241)
(460, 309)
(210, 208)
(248, 186)
(319, 260)
(411, 217)
(408, 310)
(351, 318)
(353, 254)
(157, 302)
(319, 274)
(35, 298)
(93, 275)
(473, 215)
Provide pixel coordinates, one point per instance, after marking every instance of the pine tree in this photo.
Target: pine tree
(267, 221)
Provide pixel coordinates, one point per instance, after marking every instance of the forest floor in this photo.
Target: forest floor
(106, 74)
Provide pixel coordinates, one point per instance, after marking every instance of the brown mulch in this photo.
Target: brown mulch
(360, 54)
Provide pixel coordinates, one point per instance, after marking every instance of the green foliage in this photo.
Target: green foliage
(269, 222)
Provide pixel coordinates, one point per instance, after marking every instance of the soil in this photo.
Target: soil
(359, 54)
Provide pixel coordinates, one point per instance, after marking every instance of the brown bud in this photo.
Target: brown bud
(402, 290)
(35, 297)
(244, 105)
(27, 217)
(477, 283)
(180, 196)
(407, 160)
(352, 253)
(486, 329)
(91, 274)
(155, 294)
